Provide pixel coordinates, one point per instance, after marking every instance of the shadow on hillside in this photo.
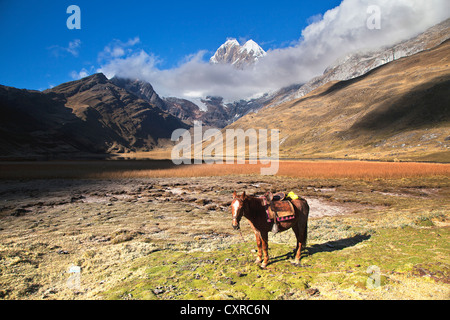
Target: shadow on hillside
(424, 105)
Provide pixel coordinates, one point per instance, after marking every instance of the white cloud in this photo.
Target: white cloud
(72, 48)
(117, 49)
(338, 32)
(315, 18)
(138, 65)
(79, 75)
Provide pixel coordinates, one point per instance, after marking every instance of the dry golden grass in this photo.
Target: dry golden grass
(162, 169)
(299, 169)
(362, 170)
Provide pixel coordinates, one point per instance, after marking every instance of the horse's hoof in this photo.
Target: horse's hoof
(296, 263)
(264, 265)
(258, 261)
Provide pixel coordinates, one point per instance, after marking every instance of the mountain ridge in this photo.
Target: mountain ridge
(220, 114)
(98, 115)
(356, 64)
(399, 110)
(91, 115)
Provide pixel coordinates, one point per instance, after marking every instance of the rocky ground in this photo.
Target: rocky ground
(167, 239)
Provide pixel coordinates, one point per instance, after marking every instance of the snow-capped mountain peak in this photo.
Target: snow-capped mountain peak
(231, 52)
(251, 47)
(231, 42)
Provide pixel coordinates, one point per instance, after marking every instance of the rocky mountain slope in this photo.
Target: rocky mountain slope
(396, 111)
(35, 123)
(359, 63)
(91, 115)
(97, 115)
(215, 116)
(220, 114)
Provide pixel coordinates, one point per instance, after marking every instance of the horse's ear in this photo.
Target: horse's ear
(234, 195)
(243, 195)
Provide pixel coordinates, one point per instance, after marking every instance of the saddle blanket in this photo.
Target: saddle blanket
(281, 219)
(283, 210)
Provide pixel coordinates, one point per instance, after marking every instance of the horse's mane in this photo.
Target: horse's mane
(255, 201)
(254, 198)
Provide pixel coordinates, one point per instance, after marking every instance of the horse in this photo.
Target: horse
(254, 209)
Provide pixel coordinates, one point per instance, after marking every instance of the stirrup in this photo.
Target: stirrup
(275, 228)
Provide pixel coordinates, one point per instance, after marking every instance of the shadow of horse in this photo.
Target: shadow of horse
(329, 246)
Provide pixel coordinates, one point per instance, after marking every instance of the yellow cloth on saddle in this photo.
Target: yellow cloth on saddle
(292, 196)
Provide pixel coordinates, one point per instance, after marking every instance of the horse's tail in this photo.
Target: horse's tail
(302, 208)
(305, 207)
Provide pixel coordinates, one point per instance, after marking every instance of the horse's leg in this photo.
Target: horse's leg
(265, 247)
(259, 244)
(298, 249)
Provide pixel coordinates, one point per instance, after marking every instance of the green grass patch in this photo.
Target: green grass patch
(419, 254)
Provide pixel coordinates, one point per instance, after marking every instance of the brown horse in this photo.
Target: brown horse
(254, 209)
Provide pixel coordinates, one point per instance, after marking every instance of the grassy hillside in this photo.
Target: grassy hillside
(397, 111)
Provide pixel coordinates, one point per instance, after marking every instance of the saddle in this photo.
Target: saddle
(277, 208)
(275, 197)
(281, 210)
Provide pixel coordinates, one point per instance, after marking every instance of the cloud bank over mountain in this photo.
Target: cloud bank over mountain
(338, 32)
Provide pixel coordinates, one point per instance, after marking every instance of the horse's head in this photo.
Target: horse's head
(237, 209)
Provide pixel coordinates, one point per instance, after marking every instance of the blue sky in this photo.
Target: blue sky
(168, 43)
(39, 51)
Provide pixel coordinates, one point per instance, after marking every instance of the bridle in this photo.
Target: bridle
(237, 210)
(237, 215)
